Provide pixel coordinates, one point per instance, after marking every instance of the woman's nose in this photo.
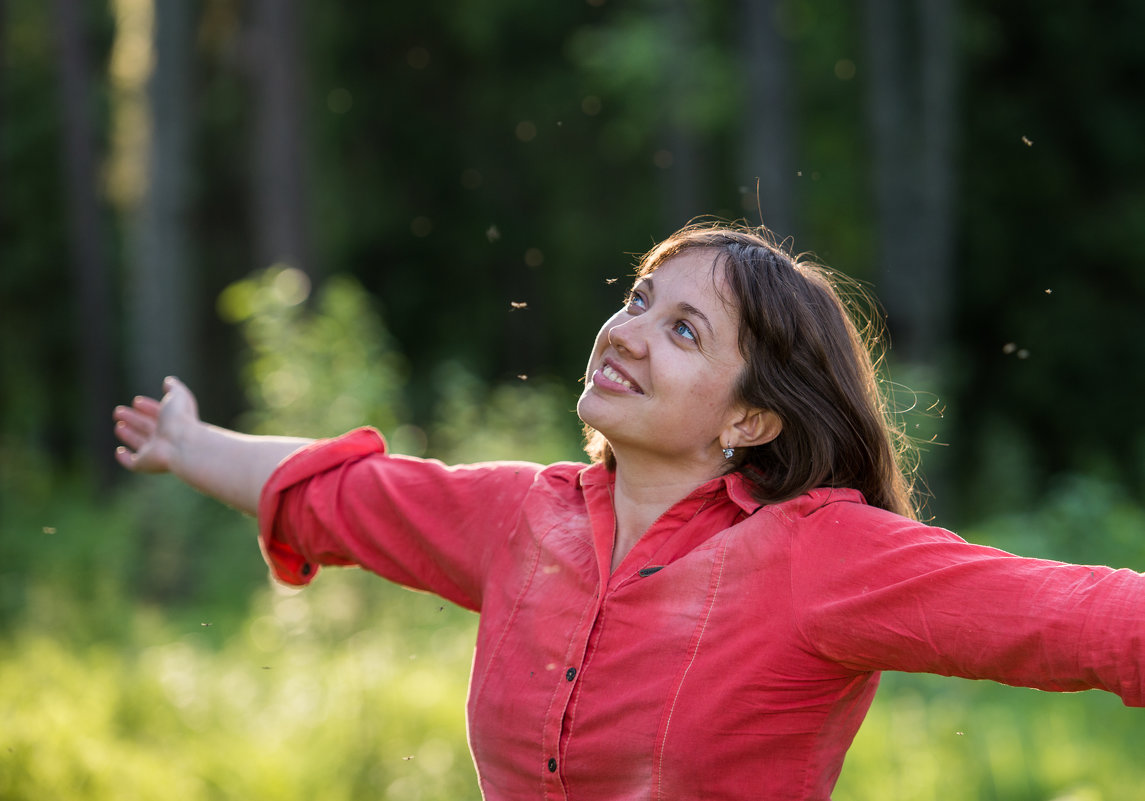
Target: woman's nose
(629, 336)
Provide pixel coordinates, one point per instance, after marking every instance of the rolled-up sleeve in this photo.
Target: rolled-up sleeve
(877, 592)
(417, 522)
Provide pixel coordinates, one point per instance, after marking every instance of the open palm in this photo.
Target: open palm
(151, 429)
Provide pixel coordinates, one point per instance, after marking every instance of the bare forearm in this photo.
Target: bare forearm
(229, 466)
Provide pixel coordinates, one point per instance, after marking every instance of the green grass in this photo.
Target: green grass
(933, 738)
(342, 692)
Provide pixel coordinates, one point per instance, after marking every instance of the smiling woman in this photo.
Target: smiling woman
(795, 354)
(704, 611)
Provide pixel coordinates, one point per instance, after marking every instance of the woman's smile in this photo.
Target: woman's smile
(611, 377)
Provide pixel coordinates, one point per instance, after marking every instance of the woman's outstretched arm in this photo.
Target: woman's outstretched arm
(167, 436)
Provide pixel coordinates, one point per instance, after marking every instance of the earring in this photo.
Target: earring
(729, 453)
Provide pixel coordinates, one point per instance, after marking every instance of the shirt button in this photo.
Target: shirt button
(570, 674)
(552, 766)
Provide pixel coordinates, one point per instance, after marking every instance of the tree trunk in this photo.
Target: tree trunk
(279, 196)
(911, 124)
(162, 295)
(682, 175)
(768, 161)
(892, 142)
(911, 108)
(937, 169)
(90, 281)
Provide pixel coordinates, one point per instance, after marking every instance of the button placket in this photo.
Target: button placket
(576, 655)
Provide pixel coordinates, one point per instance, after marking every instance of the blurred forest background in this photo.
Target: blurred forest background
(415, 216)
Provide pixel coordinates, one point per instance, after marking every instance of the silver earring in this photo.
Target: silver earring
(729, 453)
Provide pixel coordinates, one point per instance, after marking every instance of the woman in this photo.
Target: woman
(702, 612)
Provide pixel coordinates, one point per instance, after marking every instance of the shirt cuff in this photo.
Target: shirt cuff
(287, 563)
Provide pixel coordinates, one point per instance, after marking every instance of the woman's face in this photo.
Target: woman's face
(661, 377)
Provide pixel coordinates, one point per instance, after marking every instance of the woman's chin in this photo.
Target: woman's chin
(585, 407)
(596, 411)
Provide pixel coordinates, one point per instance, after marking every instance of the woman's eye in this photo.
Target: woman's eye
(684, 330)
(637, 300)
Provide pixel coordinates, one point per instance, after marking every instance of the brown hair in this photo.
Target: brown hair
(809, 363)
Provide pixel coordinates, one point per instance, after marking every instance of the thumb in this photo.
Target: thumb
(179, 398)
(175, 388)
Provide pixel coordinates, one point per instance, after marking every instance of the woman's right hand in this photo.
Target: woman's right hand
(151, 431)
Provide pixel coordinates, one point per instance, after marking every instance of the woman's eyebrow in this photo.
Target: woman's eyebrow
(691, 311)
(687, 309)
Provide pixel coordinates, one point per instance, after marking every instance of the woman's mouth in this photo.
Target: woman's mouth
(614, 376)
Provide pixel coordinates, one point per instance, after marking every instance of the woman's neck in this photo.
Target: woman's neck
(641, 496)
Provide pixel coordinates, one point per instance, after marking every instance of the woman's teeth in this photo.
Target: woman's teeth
(616, 377)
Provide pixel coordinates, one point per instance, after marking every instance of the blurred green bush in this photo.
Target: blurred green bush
(346, 691)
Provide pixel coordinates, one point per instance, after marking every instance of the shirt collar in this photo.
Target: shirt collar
(732, 485)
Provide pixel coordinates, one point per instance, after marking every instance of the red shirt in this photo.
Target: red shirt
(736, 649)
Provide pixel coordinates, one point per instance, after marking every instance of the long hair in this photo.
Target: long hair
(812, 355)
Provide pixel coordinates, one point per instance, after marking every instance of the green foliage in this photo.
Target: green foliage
(929, 738)
(461, 159)
(309, 695)
(35, 316)
(533, 421)
(323, 369)
(76, 563)
(313, 372)
(1051, 202)
(1081, 519)
(630, 59)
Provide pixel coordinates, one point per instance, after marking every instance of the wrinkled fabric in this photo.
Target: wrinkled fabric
(736, 649)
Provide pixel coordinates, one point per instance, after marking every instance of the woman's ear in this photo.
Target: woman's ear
(754, 427)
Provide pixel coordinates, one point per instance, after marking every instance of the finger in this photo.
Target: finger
(125, 457)
(133, 438)
(121, 412)
(177, 394)
(146, 405)
(145, 424)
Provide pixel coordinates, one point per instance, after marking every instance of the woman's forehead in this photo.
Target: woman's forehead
(700, 273)
(694, 255)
